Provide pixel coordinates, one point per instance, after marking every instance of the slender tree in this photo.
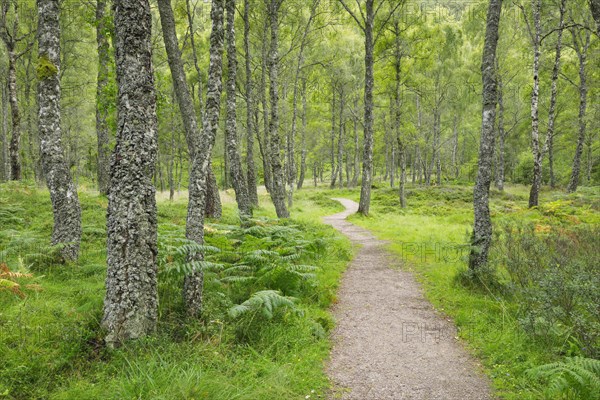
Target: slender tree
(581, 44)
(536, 6)
(102, 97)
(482, 230)
(11, 38)
(131, 302)
(200, 171)
(366, 24)
(231, 135)
(549, 142)
(278, 188)
(250, 122)
(63, 193)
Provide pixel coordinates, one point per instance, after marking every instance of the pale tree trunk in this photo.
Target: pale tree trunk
(212, 206)
(535, 137)
(131, 302)
(549, 143)
(231, 135)
(278, 189)
(102, 98)
(581, 47)
(501, 136)
(200, 175)
(63, 193)
(482, 229)
(250, 126)
(303, 138)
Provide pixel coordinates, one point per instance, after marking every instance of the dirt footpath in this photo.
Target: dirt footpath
(389, 342)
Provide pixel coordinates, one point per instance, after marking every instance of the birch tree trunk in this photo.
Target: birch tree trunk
(356, 148)
(4, 131)
(278, 189)
(365, 190)
(102, 98)
(482, 230)
(63, 193)
(10, 43)
(265, 147)
(231, 135)
(535, 137)
(201, 171)
(250, 126)
(501, 136)
(581, 47)
(303, 138)
(131, 302)
(548, 145)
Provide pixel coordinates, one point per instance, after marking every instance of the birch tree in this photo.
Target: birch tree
(131, 302)
(63, 193)
(482, 229)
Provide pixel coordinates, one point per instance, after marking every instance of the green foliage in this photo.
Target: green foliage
(51, 341)
(572, 378)
(264, 302)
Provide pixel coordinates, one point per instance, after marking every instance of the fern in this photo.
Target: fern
(265, 302)
(577, 377)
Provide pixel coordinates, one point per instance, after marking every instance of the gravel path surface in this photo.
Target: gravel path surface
(389, 342)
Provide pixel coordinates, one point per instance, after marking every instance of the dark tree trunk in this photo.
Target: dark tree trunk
(63, 193)
(455, 163)
(535, 136)
(365, 190)
(231, 134)
(103, 98)
(250, 126)
(15, 140)
(278, 189)
(131, 302)
(356, 149)
(482, 230)
(581, 47)
(595, 8)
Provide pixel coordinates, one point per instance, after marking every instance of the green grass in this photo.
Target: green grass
(51, 340)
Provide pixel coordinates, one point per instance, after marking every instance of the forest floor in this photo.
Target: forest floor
(389, 342)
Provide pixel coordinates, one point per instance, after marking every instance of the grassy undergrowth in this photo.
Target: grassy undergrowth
(50, 335)
(431, 236)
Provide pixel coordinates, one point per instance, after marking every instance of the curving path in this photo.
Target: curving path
(389, 342)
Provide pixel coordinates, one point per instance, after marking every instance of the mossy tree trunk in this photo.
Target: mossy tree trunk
(63, 193)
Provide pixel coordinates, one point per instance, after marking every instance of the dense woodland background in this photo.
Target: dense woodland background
(436, 44)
